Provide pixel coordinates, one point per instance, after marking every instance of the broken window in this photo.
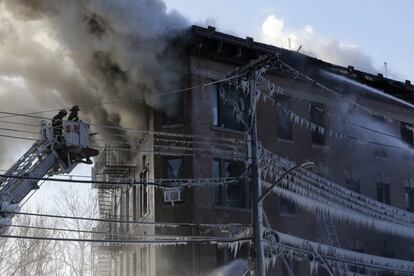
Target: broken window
(317, 117)
(174, 109)
(383, 192)
(406, 133)
(283, 123)
(409, 199)
(226, 103)
(231, 195)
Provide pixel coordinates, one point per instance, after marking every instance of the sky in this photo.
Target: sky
(380, 29)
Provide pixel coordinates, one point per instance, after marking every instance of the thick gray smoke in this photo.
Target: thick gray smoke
(57, 53)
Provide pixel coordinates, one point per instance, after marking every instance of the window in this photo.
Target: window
(383, 192)
(224, 103)
(231, 195)
(174, 169)
(409, 198)
(287, 207)
(317, 117)
(174, 113)
(406, 133)
(284, 125)
(352, 180)
(143, 191)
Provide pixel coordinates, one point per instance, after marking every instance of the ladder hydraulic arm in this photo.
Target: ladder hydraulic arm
(52, 154)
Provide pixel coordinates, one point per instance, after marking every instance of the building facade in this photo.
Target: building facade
(302, 119)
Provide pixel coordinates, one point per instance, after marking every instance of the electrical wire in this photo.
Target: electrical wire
(159, 224)
(173, 183)
(161, 94)
(115, 234)
(162, 242)
(18, 137)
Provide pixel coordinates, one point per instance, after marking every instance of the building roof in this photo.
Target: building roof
(211, 44)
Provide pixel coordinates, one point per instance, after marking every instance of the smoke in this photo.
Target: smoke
(56, 53)
(275, 32)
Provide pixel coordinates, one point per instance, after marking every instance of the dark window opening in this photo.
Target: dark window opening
(225, 101)
(383, 193)
(174, 109)
(231, 195)
(317, 118)
(406, 133)
(409, 199)
(284, 124)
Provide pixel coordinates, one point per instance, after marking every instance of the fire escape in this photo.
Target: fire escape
(112, 163)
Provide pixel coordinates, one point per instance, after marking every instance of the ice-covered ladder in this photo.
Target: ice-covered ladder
(332, 237)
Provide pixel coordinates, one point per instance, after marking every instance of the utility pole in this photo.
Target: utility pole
(249, 70)
(257, 219)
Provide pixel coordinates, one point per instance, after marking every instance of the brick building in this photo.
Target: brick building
(371, 163)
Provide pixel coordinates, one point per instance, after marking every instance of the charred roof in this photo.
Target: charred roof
(211, 44)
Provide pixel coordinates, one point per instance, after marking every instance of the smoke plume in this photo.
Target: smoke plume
(275, 32)
(56, 53)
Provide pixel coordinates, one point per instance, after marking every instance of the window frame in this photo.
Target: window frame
(219, 107)
(221, 199)
(284, 126)
(317, 117)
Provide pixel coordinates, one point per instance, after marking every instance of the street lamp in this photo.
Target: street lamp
(305, 165)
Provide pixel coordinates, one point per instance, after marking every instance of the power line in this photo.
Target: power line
(18, 137)
(161, 94)
(115, 234)
(160, 224)
(161, 242)
(132, 182)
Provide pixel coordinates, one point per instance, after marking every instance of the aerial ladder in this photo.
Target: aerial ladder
(52, 154)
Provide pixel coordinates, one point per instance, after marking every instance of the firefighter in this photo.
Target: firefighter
(57, 123)
(73, 116)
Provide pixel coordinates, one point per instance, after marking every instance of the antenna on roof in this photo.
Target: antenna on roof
(386, 69)
(289, 44)
(300, 47)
